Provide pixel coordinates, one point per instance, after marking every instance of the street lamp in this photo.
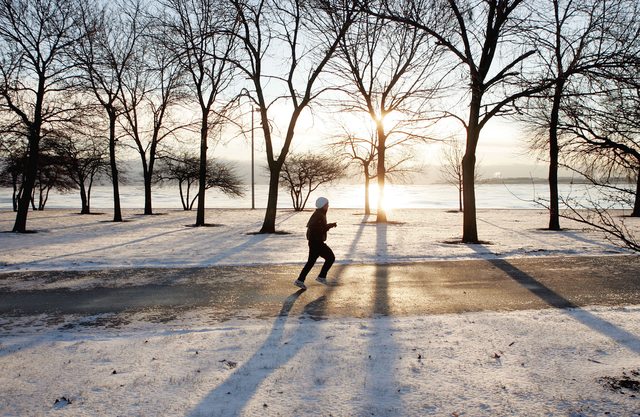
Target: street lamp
(253, 181)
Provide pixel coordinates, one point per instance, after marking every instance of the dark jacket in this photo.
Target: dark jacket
(317, 226)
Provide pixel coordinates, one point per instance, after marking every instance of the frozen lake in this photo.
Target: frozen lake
(503, 196)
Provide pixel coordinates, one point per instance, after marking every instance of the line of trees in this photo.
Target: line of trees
(151, 73)
(517, 58)
(87, 79)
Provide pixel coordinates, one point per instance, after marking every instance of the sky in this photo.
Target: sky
(502, 150)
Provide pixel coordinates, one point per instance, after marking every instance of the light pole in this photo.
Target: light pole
(253, 181)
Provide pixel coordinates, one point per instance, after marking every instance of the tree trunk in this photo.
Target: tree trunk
(269, 223)
(460, 188)
(184, 201)
(148, 177)
(147, 191)
(14, 197)
(554, 151)
(295, 198)
(381, 215)
(117, 212)
(89, 194)
(470, 226)
(367, 205)
(31, 170)
(636, 205)
(84, 209)
(44, 197)
(202, 179)
(81, 180)
(275, 167)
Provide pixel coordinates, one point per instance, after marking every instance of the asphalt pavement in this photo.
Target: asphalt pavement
(354, 290)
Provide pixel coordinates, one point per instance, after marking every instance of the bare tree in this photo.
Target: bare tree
(480, 33)
(200, 34)
(603, 129)
(51, 175)
(362, 151)
(391, 73)
(452, 154)
(577, 42)
(35, 39)
(103, 57)
(286, 43)
(185, 170)
(153, 87)
(84, 154)
(182, 169)
(13, 151)
(359, 151)
(451, 170)
(302, 174)
(600, 218)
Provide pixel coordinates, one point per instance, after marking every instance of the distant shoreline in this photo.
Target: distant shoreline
(538, 180)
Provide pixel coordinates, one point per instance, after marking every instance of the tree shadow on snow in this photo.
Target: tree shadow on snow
(382, 350)
(556, 300)
(232, 395)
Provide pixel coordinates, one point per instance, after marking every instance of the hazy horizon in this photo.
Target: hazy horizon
(431, 174)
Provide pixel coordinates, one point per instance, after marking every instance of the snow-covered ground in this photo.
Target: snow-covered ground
(542, 362)
(66, 240)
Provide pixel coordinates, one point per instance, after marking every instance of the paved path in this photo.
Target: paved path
(356, 290)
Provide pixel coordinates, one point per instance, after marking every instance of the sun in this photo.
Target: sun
(387, 201)
(392, 119)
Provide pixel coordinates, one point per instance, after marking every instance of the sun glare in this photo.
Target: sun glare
(388, 202)
(390, 120)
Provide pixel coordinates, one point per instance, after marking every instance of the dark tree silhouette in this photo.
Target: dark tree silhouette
(603, 128)
(199, 33)
(51, 174)
(390, 73)
(184, 169)
(577, 41)
(35, 40)
(451, 169)
(287, 43)
(153, 88)
(476, 34)
(84, 154)
(360, 152)
(12, 160)
(102, 57)
(302, 174)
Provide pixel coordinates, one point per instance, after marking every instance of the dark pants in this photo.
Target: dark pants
(318, 249)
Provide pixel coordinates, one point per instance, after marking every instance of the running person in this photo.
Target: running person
(317, 228)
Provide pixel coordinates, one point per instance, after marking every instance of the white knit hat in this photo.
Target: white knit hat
(321, 202)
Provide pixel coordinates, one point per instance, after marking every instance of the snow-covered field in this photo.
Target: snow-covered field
(66, 240)
(579, 362)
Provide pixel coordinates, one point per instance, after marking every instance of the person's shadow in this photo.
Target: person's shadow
(245, 380)
(273, 354)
